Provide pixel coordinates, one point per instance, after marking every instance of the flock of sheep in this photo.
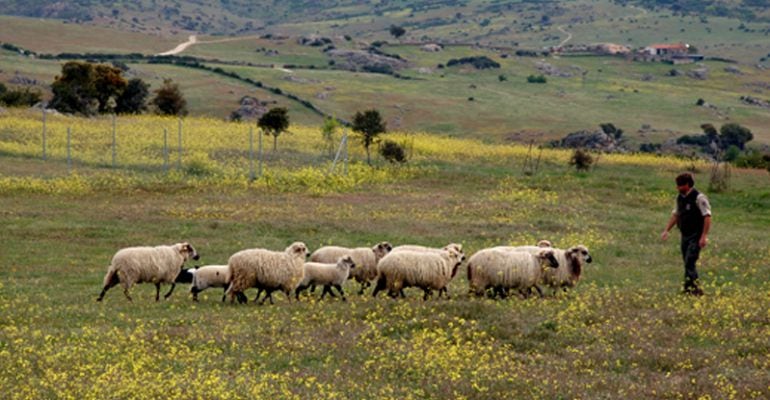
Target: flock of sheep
(496, 271)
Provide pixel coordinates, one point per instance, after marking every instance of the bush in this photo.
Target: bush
(649, 147)
(753, 159)
(18, 97)
(393, 152)
(536, 79)
(581, 160)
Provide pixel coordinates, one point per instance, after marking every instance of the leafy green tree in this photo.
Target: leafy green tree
(87, 88)
(369, 125)
(397, 31)
(274, 122)
(169, 100)
(734, 134)
(18, 97)
(134, 97)
(328, 130)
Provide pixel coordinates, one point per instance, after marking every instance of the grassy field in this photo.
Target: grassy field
(624, 331)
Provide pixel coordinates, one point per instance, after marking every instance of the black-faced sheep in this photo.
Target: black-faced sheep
(208, 276)
(160, 264)
(503, 270)
(426, 270)
(327, 275)
(365, 258)
(266, 270)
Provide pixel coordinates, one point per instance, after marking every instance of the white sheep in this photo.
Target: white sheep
(209, 276)
(532, 249)
(426, 270)
(327, 275)
(571, 263)
(365, 258)
(503, 270)
(160, 264)
(413, 247)
(266, 270)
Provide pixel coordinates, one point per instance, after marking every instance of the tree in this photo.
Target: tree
(328, 129)
(86, 88)
(369, 125)
(393, 152)
(397, 31)
(134, 97)
(169, 100)
(734, 134)
(274, 122)
(610, 129)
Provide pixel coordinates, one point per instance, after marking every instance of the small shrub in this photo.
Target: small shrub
(581, 159)
(393, 152)
(536, 79)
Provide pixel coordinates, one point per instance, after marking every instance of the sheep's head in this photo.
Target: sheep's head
(187, 251)
(544, 243)
(456, 258)
(576, 256)
(346, 261)
(382, 249)
(298, 249)
(581, 252)
(457, 248)
(549, 257)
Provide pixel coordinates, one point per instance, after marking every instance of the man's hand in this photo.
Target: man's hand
(702, 242)
(664, 235)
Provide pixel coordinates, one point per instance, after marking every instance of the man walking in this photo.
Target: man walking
(693, 217)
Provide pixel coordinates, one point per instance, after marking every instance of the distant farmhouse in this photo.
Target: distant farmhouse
(676, 53)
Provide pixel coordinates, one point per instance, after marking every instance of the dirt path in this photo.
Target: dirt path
(569, 37)
(194, 40)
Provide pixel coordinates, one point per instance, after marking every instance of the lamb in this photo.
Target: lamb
(502, 270)
(427, 270)
(365, 258)
(266, 270)
(571, 263)
(209, 276)
(327, 275)
(160, 264)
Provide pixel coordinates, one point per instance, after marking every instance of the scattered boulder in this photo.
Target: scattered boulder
(595, 140)
(250, 108)
(733, 70)
(753, 101)
(432, 47)
(700, 74)
(361, 60)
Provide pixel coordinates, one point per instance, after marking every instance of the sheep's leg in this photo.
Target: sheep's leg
(173, 285)
(381, 284)
(364, 285)
(259, 293)
(287, 292)
(426, 294)
(339, 289)
(327, 289)
(114, 280)
(125, 292)
(194, 290)
(299, 290)
(224, 295)
(540, 292)
(157, 291)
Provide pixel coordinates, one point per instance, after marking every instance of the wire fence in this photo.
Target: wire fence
(166, 144)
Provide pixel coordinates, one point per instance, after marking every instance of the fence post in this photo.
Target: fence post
(251, 154)
(114, 141)
(179, 161)
(69, 155)
(260, 153)
(45, 157)
(165, 150)
(345, 164)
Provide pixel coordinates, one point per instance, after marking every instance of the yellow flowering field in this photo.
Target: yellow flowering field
(625, 331)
